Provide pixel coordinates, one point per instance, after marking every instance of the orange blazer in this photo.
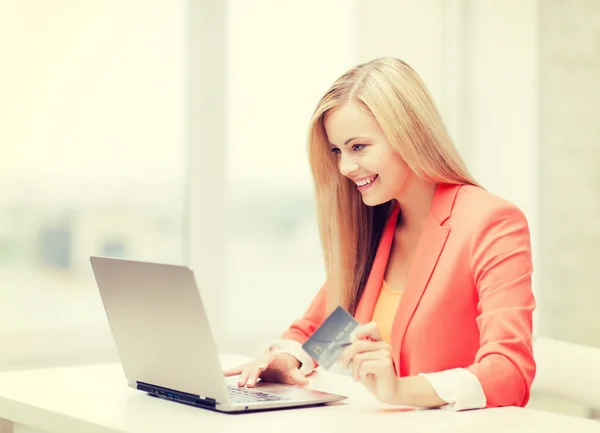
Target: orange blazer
(468, 302)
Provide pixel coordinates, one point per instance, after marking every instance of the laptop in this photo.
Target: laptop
(166, 346)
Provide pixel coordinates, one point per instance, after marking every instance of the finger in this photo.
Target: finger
(358, 347)
(360, 359)
(295, 377)
(257, 366)
(375, 367)
(244, 369)
(244, 374)
(368, 330)
(255, 373)
(361, 346)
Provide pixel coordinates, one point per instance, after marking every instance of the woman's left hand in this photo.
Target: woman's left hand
(372, 364)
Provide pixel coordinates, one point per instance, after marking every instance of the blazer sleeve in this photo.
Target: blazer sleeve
(314, 316)
(501, 267)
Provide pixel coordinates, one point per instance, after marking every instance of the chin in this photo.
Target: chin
(373, 201)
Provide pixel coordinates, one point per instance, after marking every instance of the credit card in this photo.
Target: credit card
(328, 342)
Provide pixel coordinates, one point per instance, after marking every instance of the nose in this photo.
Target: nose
(347, 165)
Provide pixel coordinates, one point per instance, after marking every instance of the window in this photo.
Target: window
(277, 72)
(93, 162)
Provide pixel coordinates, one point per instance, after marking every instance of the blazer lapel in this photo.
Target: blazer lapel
(429, 248)
(368, 300)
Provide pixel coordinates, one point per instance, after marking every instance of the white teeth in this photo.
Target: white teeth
(365, 181)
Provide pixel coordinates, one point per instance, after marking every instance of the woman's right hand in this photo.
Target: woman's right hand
(271, 367)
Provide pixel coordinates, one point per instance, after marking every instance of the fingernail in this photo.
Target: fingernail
(352, 338)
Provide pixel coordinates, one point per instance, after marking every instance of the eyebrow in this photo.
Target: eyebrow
(349, 140)
(352, 139)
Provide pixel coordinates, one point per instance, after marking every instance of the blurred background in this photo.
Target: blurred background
(174, 131)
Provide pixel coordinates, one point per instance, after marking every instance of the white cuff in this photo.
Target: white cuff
(307, 365)
(458, 387)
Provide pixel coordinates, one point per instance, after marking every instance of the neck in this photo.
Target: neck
(415, 204)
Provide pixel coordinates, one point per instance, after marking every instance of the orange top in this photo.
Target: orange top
(385, 311)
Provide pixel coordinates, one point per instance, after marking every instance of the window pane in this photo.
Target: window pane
(92, 163)
(275, 258)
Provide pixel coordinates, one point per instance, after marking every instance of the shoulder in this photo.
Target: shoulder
(496, 235)
(475, 207)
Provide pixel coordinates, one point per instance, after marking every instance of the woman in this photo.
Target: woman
(435, 269)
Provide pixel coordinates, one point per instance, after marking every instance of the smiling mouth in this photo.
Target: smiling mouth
(366, 183)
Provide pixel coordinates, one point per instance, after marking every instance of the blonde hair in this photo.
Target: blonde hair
(398, 99)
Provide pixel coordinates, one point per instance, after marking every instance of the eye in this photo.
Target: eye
(335, 150)
(358, 147)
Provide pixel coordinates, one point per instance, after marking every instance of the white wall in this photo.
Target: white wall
(501, 103)
(411, 30)
(205, 115)
(570, 200)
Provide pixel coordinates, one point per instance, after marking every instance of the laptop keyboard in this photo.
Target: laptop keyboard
(245, 395)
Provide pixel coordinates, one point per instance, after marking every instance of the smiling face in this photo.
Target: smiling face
(365, 156)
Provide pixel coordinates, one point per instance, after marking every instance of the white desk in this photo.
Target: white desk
(96, 399)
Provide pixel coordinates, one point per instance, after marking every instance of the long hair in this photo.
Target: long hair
(350, 231)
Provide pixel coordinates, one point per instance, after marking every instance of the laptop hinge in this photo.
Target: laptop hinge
(171, 394)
